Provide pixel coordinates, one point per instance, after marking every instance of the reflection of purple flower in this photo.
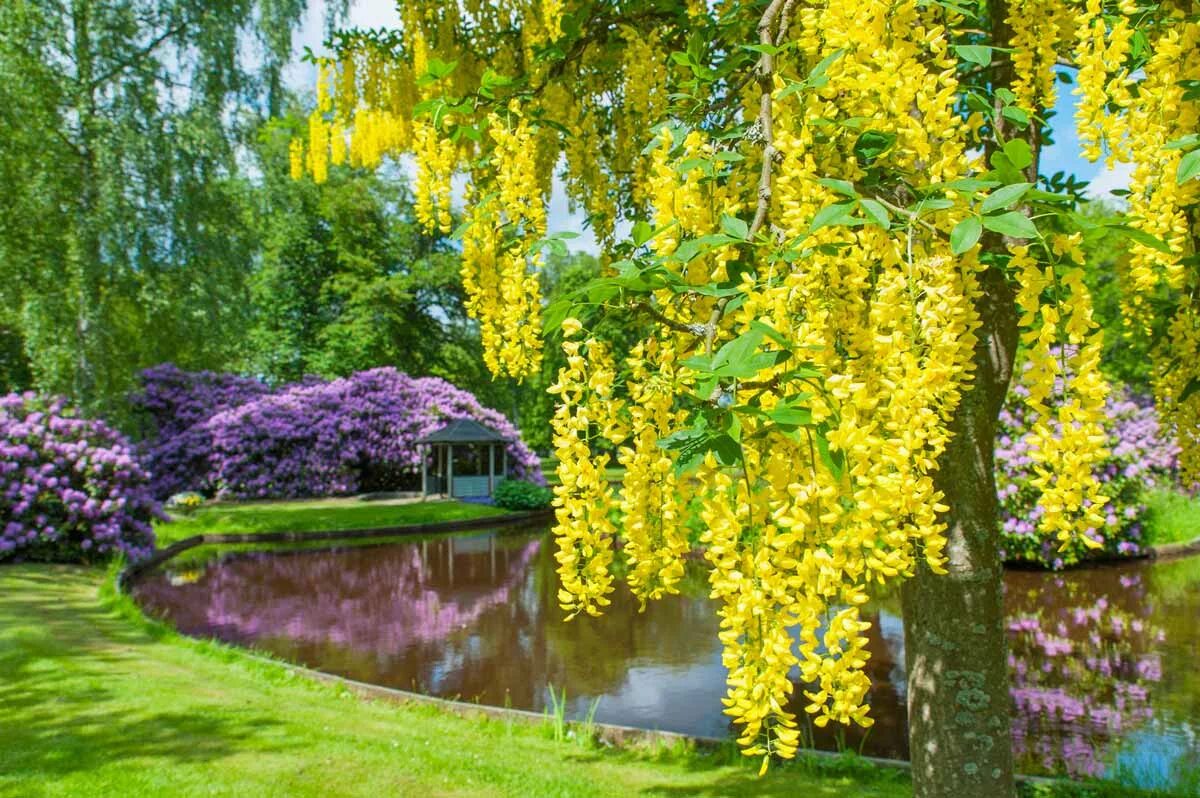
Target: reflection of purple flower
(1079, 665)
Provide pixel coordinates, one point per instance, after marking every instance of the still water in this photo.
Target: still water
(1105, 662)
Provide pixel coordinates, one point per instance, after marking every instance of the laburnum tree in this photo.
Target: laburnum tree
(831, 213)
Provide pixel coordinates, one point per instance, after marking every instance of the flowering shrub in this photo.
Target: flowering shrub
(514, 494)
(70, 488)
(308, 439)
(1140, 454)
(178, 404)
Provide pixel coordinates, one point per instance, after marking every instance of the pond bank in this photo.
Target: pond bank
(99, 701)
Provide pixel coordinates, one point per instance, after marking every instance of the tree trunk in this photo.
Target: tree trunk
(955, 648)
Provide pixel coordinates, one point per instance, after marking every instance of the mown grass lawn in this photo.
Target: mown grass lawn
(315, 515)
(95, 701)
(1173, 517)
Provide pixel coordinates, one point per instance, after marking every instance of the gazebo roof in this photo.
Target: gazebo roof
(464, 430)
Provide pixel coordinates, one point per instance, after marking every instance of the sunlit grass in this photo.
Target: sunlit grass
(1173, 517)
(315, 515)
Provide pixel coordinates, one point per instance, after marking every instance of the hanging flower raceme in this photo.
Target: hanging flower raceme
(1155, 133)
(583, 499)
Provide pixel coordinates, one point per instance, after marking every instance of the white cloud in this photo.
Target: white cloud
(1105, 180)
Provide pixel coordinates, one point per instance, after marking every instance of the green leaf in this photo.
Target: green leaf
(834, 461)
(1018, 116)
(642, 232)
(876, 212)
(788, 416)
(1140, 237)
(1189, 167)
(836, 214)
(771, 332)
(967, 184)
(1018, 153)
(733, 226)
(736, 358)
(871, 144)
(975, 53)
(843, 187)
(965, 234)
(1184, 143)
(1189, 390)
(1004, 197)
(1012, 224)
(697, 246)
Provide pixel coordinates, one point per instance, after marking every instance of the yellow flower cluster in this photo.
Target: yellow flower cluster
(502, 292)
(1067, 440)
(651, 515)
(1173, 378)
(436, 159)
(1039, 30)
(1101, 52)
(583, 499)
(1143, 133)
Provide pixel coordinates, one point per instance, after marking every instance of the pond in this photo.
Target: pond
(1105, 662)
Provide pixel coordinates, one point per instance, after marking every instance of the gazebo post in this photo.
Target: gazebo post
(491, 468)
(424, 471)
(450, 470)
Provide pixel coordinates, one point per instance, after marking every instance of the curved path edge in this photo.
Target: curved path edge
(1168, 551)
(134, 571)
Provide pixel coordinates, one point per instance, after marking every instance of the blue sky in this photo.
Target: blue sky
(1063, 155)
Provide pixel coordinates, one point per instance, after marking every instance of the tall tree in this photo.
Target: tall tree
(348, 280)
(841, 232)
(122, 237)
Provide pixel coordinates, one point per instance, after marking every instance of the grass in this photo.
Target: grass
(315, 515)
(1173, 517)
(95, 700)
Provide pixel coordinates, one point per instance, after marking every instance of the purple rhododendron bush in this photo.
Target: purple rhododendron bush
(237, 438)
(1142, 454)
(70, 488)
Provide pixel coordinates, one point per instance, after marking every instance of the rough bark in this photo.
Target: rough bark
(955, 648)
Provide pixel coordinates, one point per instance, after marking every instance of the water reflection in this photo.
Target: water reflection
(1103, 661)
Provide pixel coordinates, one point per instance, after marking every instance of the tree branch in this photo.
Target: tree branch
(766, 74)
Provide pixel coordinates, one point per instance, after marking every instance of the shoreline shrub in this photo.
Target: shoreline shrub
(516, 494)
(71, 488)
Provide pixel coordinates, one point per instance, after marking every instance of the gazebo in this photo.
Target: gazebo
(464, 460)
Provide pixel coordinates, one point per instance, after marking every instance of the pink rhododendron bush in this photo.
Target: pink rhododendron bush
(237, 438)
(70, 488)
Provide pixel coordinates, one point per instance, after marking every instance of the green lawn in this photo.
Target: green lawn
(95, 701)
(315, 515)
(1173, 517)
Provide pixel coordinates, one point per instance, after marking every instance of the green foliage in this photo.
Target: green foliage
(124, 238)
(348, 282)
(516, 494)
